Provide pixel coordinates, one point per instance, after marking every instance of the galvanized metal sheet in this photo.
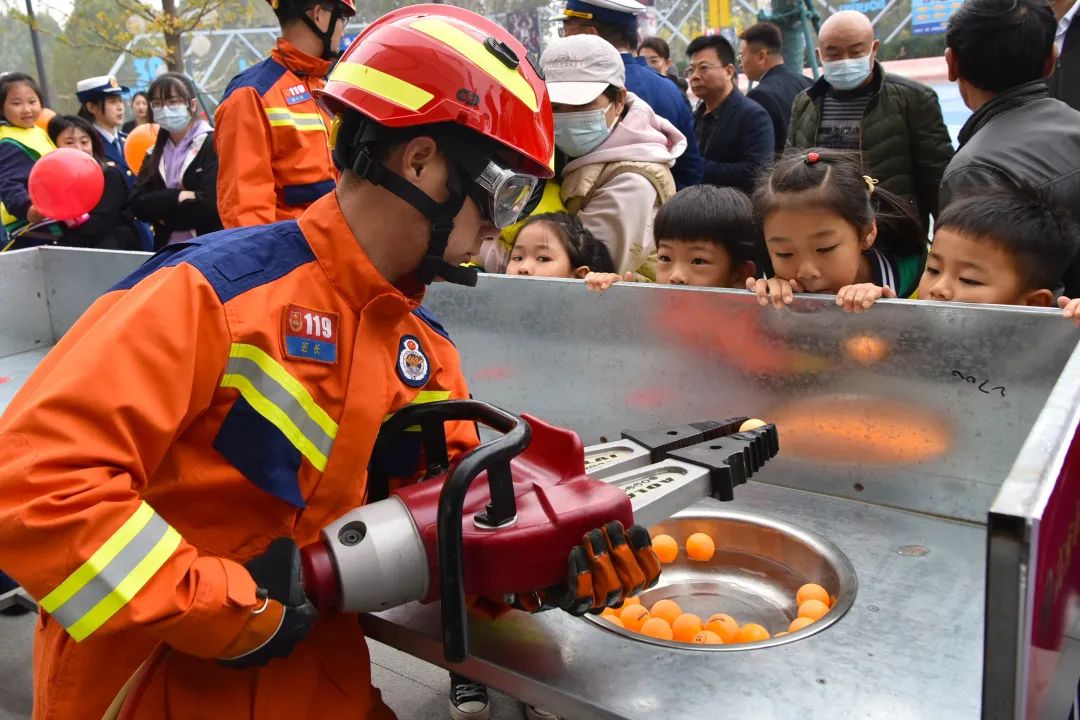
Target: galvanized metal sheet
(24, 312)
(910, 647)
(75, 277)
(922, 406)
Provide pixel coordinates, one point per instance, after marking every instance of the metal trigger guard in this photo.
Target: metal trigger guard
(493, 456)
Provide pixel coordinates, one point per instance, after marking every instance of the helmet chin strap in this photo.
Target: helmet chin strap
(327, 36)
(441, 216)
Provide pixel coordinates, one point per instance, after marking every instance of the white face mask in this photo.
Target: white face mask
(847, 74)
(173, 119)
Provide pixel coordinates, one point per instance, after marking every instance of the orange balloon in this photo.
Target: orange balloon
(46, 115)
(138, 143)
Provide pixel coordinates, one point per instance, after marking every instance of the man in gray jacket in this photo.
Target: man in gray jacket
(1000, 52)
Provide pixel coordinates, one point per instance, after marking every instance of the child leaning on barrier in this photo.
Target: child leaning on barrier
(827, 226)
(705, 236)
(557, 245)
(1003, 248)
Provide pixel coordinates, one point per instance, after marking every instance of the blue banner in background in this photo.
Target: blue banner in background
(146, 70)
(866, 7)
(930, 17)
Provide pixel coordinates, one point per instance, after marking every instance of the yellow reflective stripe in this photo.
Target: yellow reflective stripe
(99, 560)
(422, 398)
(280, 117)
(475, 51)
(278, 417)
(291, 385)
(127, 589)
(376, 82)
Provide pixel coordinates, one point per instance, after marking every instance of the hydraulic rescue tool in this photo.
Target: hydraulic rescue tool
(448, 536)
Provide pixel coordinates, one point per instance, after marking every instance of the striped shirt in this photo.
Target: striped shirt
(841, 119)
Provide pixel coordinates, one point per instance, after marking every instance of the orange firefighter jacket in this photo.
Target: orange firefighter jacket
(272, 141)
(225, 394)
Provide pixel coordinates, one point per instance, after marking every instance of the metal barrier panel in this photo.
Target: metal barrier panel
(76, 277)
(922, 406)
(24, 312)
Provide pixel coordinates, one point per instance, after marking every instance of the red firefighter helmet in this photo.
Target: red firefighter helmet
(427, 64)
(349, 6)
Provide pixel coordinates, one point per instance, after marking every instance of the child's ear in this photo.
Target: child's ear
(1038, 298)
(581, 272)
(740, 272)
(868, 242)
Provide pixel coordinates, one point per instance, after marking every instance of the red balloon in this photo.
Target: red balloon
(66, 183)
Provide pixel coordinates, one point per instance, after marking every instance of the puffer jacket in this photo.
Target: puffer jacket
(1022, 138)
(905, 144)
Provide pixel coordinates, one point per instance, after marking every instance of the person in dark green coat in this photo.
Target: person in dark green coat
(895, 123)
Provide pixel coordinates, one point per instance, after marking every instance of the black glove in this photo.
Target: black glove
(277, 573)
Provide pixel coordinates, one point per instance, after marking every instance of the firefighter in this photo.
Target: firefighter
(270, 134)
(220, 404)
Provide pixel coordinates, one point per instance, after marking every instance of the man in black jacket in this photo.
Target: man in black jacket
(734, 133)
(762, 59)
(1065, 82)
(1000, 52)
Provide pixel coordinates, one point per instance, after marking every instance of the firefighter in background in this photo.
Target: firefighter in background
(270, 134)
(229, 392)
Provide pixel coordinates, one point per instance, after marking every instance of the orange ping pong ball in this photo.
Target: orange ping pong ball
(666, 610)
(614, 620)
(811, 591)
(686, 626)
(633, 617)
(813, 609)
(751, 424)
(656, 628)
(799, 623)
(706, 637)
(700, 546)
(723, 625)
(751, 632)
(666, 548)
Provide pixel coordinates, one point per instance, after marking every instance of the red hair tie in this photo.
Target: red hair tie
(812, 158)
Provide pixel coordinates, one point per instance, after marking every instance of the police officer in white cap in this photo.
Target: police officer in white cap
(102, 103)
(617, 22)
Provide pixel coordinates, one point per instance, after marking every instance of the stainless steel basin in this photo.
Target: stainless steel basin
(760, 563)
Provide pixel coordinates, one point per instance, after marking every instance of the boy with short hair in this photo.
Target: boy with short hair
(1004, 248)
(705, 236)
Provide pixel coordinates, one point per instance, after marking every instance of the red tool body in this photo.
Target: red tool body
(504, 517)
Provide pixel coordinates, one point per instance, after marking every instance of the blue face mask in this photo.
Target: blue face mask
(579, 133)
(847, 74)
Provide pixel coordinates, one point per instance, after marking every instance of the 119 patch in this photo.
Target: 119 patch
(412, 364)
(310, 334)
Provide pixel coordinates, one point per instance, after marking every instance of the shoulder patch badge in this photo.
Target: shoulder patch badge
(297, 94)
(310, 334)
(412, 364)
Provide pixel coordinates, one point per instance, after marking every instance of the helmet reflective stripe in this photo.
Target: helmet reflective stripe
(376, 82)
(480, 56)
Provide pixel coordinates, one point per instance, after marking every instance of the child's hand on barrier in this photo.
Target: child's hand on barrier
(599, 282)
(1070, 309)
(860, 297)
(779, 291)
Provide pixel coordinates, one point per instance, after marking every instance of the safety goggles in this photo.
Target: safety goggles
(502, 194)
